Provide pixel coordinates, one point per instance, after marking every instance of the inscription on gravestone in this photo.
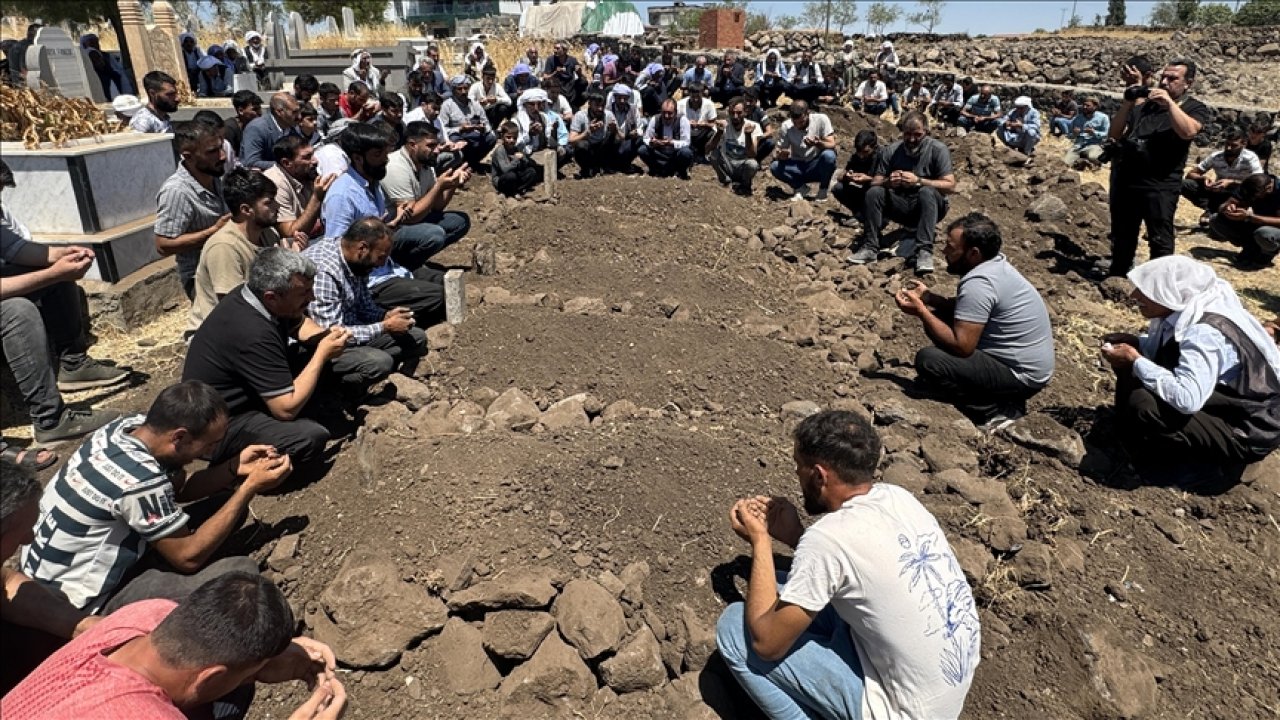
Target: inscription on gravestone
(54, 59)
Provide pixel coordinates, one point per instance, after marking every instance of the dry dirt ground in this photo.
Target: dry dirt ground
(1099, 596)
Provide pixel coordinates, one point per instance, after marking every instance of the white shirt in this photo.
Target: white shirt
(793, 137)
(733, 142)
(1205, 359)
(877, 91)
(704, 114)
(1246, 164)
(477, 93)
(883, 563)
(330, 160)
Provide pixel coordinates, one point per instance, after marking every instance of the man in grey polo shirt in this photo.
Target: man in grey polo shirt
(190, 208)
(993, 346)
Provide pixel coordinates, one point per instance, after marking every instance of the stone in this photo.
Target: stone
(612, 583)
(1269, 50)
(1047, 207)
(516, 634)
(467, 668)
(974, 559)
(412, 393)
(700, 639)
(1117, 290)
(456, 570)
(589, 618)
(637, 665)
(741, 232)
(797, 410)
(1032, 566)
(514, 410)
(633, 577)
(349, 22)
(1041, 432)
(528, 588)
(906, 475)
(943, 453)
(440, 337)
(620, 410)
(1026, 69)
(285, 554)
(1057, 75)
(554, 672)
(978, 491)
(1125, 681)
(1005, 535)
(800, 210)
(565, 415)
(586, 306)
(57, 63)
(467, 416)
(1264, 469)
(369, 615)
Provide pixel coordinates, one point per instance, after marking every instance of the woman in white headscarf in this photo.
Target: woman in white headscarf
(362, 70)
(1203, 384)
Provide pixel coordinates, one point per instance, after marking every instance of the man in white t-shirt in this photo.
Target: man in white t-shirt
(875, 619)
(872, 96)
(735, 143)
(806, 151)
(701, 114)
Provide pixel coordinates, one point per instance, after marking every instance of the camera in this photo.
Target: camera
(1133, 92)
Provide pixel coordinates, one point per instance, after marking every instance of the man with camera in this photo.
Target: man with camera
(1150, 145)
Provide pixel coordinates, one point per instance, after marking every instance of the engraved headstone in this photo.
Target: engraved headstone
(55, 60)
(348, 21)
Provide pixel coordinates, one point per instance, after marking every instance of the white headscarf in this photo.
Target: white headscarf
(1192, 289)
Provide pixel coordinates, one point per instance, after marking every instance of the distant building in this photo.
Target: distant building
(443, 17)
(662, 16)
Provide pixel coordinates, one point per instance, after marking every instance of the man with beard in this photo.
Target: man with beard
(621, 104)
(243, 351)
(731, 80)
(594, 136)
(358, 193)
(261, 134)
(381, 340)
(300, 191)
(698, 73)
(119, 496)
(734, 157)
(806, 80)
(666, 144)
(465, 121)
(162, 99)
(912, 179)
(875, 617)
(757, 115)
(565, 68)
(992, 343)
(190, 208)
(701, 114)
(806, 152)
(1230, 166)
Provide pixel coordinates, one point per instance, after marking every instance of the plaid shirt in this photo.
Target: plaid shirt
(341, 297)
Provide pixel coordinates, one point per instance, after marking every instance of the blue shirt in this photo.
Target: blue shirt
(978, 107)
(351, 198)
(1098, 121)
(1205, 359)
(260, 135)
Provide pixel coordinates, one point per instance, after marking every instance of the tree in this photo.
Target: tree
(1259, 12)
(1165, 15)
(1075, 21)
(787, 22)
(1214, 14)
(1187, 11)
(1115, 13)
(930, 15)
(880, 15)
(827, 14)
(367, 12)
(756, 22)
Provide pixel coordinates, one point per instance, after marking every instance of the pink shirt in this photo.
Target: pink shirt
(79, 681)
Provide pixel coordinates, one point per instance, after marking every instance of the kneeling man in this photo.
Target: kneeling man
(875, 618)
(1203, 385)
(993, 346)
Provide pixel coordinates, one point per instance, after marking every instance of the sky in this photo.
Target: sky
(974, 16)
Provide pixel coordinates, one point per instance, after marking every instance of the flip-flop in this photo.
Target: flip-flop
(29, 458)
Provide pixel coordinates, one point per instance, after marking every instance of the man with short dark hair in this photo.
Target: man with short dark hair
(806, 80)
(1230, 166)
(261, 134)
(981, 112)
(850, 190)
(948, 100)
(357, 103)
(1088, 131)
(594, 136)
(162, 99)
(731, 80)
(190, 208)
(465, 121)
(1153, 140)
(872, 96)
(992, 344)
(119, 495)
(1259, 145)
(243, 351)
(1250, 219)
(304, 87)
(1063, 113)
(701, 114)
(300, 190)
(159, 660)
(757, 115)
(875, 617)
(806, 152)
(666, 143)
(381, 340)
(734, 154)
(421, 196)
(392, 115)
(248, 107)
(564, 67)
(330, 108)
(497, 104)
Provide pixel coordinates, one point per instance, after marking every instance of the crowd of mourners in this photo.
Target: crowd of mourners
(304, 231)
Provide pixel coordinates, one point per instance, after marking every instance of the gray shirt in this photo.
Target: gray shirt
(932, 163)
(185, 206)
(792, 137)
(1016, 324)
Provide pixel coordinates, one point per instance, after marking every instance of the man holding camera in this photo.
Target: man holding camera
(1150, 145)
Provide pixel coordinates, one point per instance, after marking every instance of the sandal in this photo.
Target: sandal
(28, 458)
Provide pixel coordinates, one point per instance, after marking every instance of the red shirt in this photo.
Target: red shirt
(79, 681)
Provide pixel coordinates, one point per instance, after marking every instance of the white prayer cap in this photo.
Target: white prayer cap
(1022, 101)
(126, 105)
(251, 35)
(886, 45)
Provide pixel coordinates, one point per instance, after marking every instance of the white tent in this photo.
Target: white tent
(568, 18)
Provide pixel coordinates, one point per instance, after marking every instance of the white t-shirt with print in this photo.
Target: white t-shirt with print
(883, 563)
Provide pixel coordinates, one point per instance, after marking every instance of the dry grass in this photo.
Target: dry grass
(999, 586)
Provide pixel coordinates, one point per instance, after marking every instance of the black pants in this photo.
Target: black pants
(1130, 208)
(851, 196)
(651, 100)
(764, 147)
(725, 93)
(1152, 428)
(363, 365)
(923, 209)
(1203, 197)
(626, 153)
(303, 440)
(979, 385)
(520, 180)
(769, 92)
(698, 139)
(592, 156)
(808, 92)
(423, 294)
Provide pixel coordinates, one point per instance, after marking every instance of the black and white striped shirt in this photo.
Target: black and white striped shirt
(98, 514)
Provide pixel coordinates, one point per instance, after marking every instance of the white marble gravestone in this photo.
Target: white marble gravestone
(348, 21)
(330, 25)
(54, 59)
(279, 45)
(297, 30)
(97, 93)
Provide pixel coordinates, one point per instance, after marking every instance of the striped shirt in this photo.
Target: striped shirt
(185, 206)
(146, 121)
(341, 298)
(98, 514)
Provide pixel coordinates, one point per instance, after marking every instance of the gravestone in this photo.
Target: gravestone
(55, 60)
(245, 81)
(348, 21)
(193, 24)
(330, 25)
(97, 93)
(279, 47)
(297, 30)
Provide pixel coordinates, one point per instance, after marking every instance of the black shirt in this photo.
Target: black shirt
(1152, 155)
(859, 164)
(242, 353)
(1267, 205)
(1263, 151)
(933, 161)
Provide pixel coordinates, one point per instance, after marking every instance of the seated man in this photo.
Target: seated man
(33, 621)
(1203, 385)
(330, 110)
(300, 189)
(242, 351)
(419, 194)
(156, 659)
(948, 100)
(248, 107)
(1088, 131)
(981, 112)
(651, 86)
(520, 79)
(261, 134)
(850, 190)
(913, 178)
(806, 80)
(357, 103)
(118, 495)
(189, 206)
(594, 136)
(734, 156)
(772, 77)
(1259, 144)
(623, 107)
(806, 152)
(1063, 113)
(492, 97)
(701, 114)
(757, 115)
(465, 121)
(1020, 127)
(875, 612)
(992, 344)
(1230, 166)
(666, 143)
(731, 80)
(872, 96)
(1250, 219)
(917, 97)
(698, 73)
(544, 134)
(226, 257)
(514, 172)
(381, 341)
(40, 311)
(392, 115)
